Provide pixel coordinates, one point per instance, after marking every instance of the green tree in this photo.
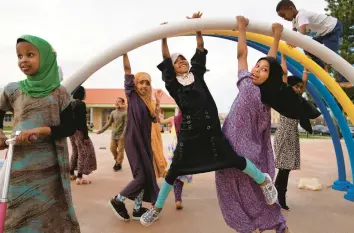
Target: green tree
(344, 11)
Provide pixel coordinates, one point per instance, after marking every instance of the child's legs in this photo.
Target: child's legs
(331, 41)
(314, 58)
(74, 155)
(120, 154)
(113, 148)
(248, 168)
(166, 187)
(178, 187)
(135, 186)
(139, 200)
(282, 179)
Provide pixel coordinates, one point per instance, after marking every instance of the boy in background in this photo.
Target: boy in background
(119, 119)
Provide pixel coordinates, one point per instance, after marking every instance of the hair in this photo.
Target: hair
(122, 99)
(284, 4)
(79, 93)
(294, 80)
(21, 40)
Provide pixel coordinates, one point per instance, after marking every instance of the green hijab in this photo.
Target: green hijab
(46, 79)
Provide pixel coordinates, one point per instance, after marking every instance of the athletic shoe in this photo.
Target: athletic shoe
(269, 191)
(179, 205)
(117, 167)
(149, 217)
(138, 213)
(119, 209)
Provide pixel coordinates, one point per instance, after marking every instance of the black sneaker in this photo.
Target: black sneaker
(138, 213)
(117, 167)
(119, 209)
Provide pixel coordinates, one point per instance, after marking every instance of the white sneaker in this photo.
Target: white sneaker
(149, 217)
(269, 190)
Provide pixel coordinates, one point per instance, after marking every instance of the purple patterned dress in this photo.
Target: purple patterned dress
(247, 127)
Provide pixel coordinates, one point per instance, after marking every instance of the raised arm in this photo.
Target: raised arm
(305, 76)
(166, 121)
(129, 85)
(126, 65)
(158, 95)
(242, 51)
(277, 30)
(199, 37)
(164, 49)
(285, 68)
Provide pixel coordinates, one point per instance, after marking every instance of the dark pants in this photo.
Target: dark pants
(330, 40)
(281, 182)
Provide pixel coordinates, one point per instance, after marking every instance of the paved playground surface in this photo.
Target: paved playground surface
(324, 211)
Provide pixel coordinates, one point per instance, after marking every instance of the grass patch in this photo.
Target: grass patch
(311, 136)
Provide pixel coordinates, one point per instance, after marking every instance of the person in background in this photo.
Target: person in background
(286, 140)
(83, 157)
(176, 121)
(118, 119)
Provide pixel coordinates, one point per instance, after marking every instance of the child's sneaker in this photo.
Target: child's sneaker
(119, 209)
(179, 205)
(269, 190)
(149, 217)
(138, 213)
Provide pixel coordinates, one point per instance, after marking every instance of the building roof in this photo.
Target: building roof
(109, 96)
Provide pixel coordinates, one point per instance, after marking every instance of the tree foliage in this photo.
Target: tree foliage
(344, 11)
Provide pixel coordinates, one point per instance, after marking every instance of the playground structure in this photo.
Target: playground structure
(322, 86)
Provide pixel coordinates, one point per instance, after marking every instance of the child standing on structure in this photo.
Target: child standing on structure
(322, 28)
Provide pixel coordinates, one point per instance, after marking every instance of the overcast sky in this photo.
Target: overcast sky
(79, 30)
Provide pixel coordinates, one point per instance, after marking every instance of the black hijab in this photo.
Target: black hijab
(294, 80)
(79, 93)
(283, 99)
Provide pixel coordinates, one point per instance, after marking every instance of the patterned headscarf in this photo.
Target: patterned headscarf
(138, 77)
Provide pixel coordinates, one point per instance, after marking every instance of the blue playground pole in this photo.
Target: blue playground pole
(341, 184)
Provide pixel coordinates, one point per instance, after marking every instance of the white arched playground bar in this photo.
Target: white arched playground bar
(191, 25)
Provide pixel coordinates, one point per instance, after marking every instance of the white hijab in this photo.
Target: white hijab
(185, 79)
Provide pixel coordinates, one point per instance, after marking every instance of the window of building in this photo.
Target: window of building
(8, 118)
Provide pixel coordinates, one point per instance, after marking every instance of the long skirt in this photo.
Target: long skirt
(83, 158)
(39, 192)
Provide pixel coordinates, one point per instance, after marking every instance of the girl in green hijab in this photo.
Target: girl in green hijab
(39, 192)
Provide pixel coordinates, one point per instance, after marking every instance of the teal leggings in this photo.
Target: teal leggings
(171, 177)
